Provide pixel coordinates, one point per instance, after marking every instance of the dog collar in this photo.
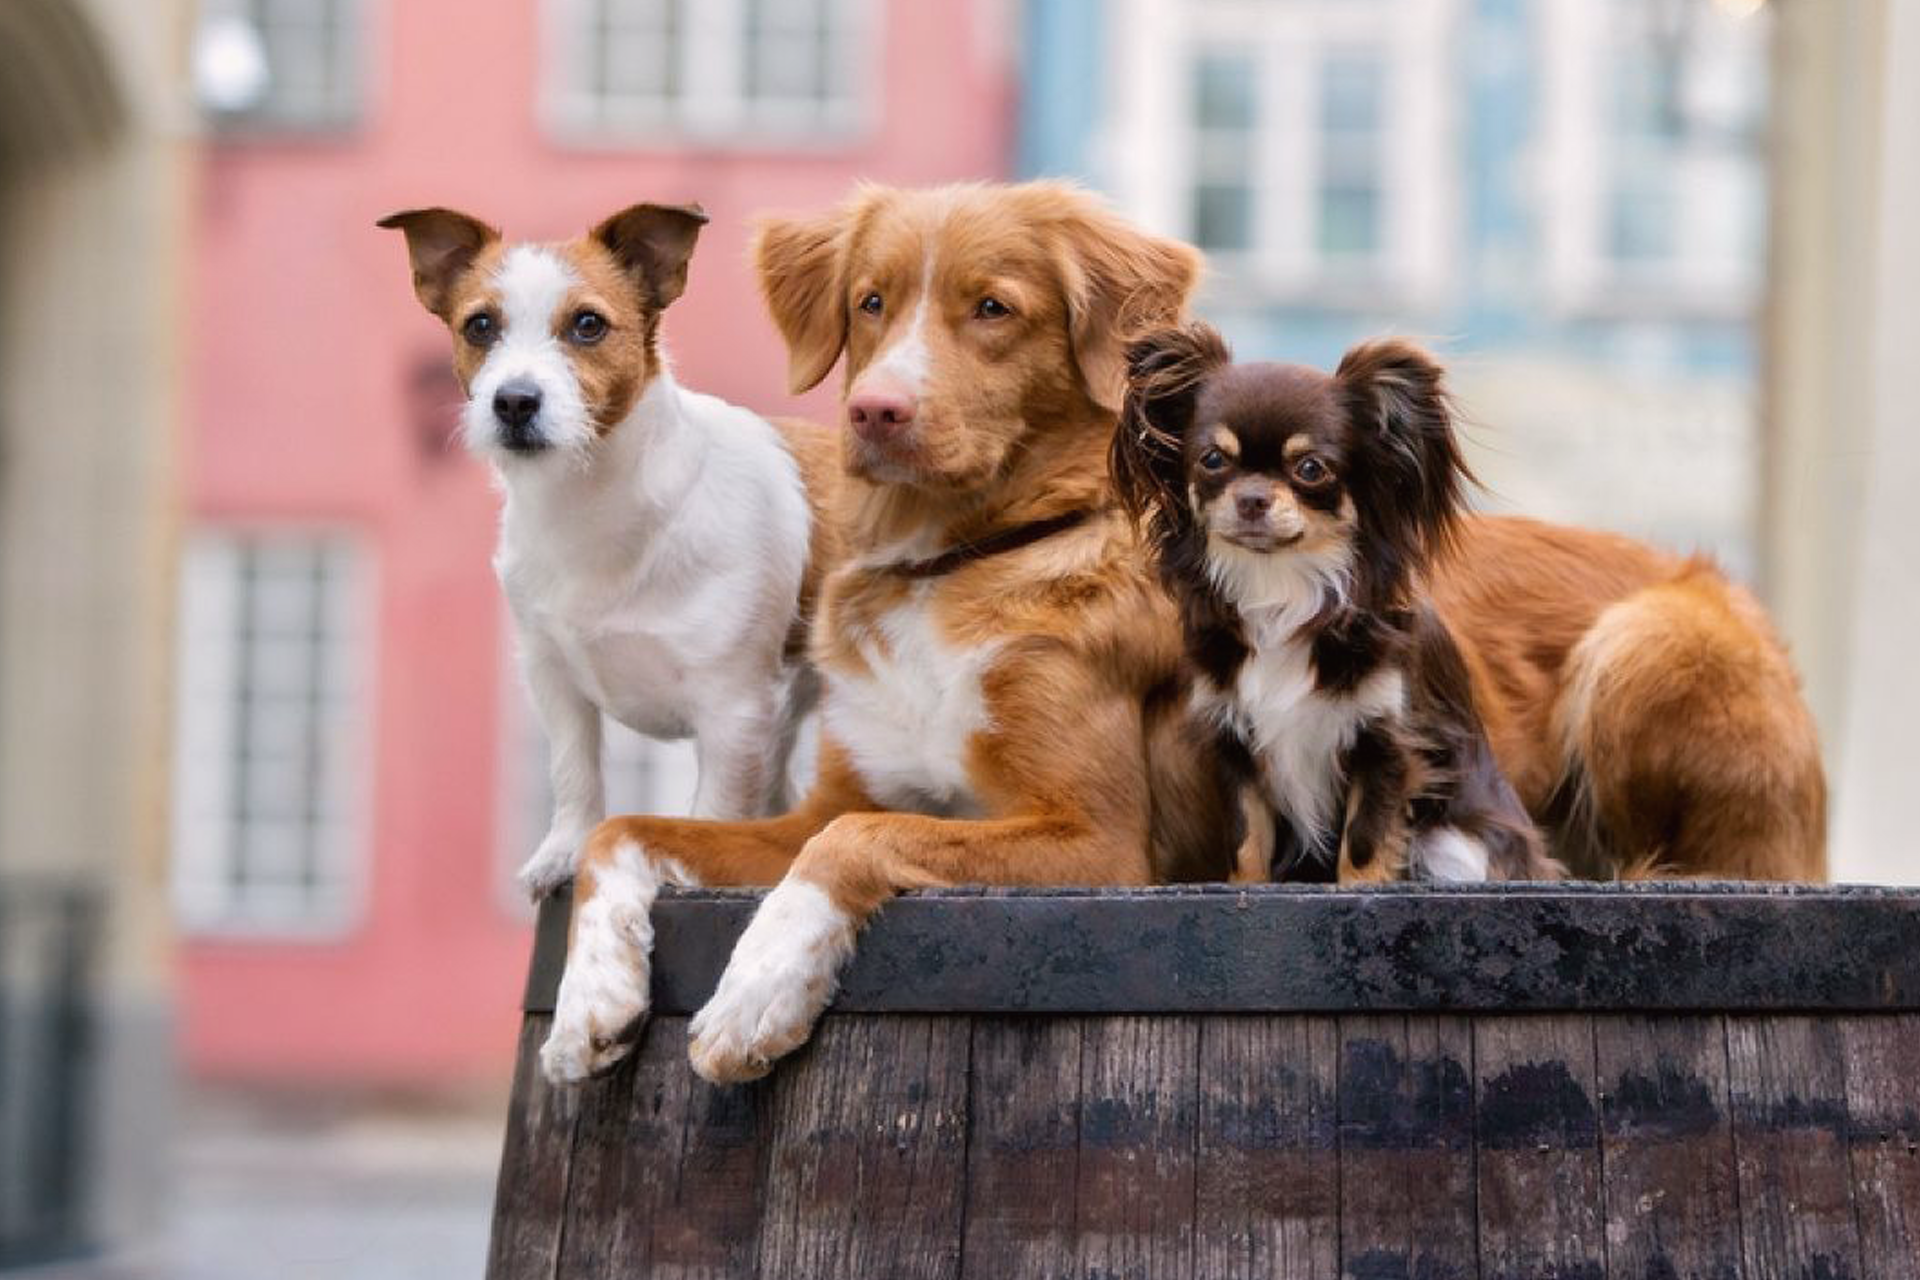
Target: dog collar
(1012, 538)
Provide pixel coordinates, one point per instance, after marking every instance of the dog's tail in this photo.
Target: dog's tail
(1686, 745)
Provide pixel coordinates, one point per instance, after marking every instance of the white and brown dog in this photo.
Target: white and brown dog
(658, 547)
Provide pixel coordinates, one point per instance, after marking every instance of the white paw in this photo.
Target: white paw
(552, 864)
(782, 974)
(604, 989)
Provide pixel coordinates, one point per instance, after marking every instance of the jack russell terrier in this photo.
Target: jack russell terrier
(659, 548)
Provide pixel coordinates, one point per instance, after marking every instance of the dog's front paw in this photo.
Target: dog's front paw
(603, 998)
(780, 978)
(552, 863)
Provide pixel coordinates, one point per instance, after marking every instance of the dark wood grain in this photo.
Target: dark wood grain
(1672, 1205)
(1405, 1084)
(629, 1132)
(1023, 1138)
(1134, 1193)
(1289, 948)
(1537, 1134)
(720, 1185)
(1267, 1189)
(1883, 1104)
(536, 1162)
(865, 1175)
(1787, 1081)
(1406, 1148)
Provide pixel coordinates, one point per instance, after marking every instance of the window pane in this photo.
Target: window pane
(312, 51)
(1349, 222)
(1225, 110)
(1350, 84)
(1223, 92)
(265, 740)
(1223, 218)
(1352, 90)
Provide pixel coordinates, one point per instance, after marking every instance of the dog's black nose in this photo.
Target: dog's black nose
(516, 403)
(1252, 506)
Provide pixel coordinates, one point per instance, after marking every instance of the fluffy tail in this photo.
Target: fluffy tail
(1689, 750)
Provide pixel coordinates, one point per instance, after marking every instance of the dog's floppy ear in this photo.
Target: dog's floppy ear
(801, 263)
(1165, 368)
(1118, 280)
(1414, 478)
(654, 243)
(442, 244)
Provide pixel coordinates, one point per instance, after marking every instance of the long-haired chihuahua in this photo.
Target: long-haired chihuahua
(1292, 516)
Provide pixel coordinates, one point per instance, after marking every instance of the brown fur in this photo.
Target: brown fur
(631, 268)
(1640, 703)
(1087, 773)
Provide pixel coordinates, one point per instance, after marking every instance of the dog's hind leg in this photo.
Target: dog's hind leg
(1688, 748)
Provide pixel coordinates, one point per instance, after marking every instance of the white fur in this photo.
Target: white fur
(604, 988)
(533, 283)
(1296, 732)
(1299, 734)
(653, 573)
(782, 974)
(909, 360)
(1447, 854)
(906, 724)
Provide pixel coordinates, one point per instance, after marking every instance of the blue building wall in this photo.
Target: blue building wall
(1498, 306)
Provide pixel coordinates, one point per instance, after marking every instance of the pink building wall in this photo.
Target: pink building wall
(305, 340)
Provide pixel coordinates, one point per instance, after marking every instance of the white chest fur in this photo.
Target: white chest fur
(1299, 734)
(906, 721)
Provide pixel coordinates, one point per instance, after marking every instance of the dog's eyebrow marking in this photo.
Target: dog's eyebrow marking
(1296, 447)
(533, 282)
(1223, 439)
(909, 359)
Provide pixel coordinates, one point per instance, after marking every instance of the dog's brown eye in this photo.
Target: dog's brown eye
(480, 330)
(871, 304)
(1311, 471)
(1213, 460)
(588, 328)
(992, 309)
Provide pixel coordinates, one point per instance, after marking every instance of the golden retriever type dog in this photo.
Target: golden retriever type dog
(1004, 698)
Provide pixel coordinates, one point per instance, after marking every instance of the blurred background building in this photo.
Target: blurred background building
(265, 769)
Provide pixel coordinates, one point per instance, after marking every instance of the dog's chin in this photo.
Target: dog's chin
(1259, 541)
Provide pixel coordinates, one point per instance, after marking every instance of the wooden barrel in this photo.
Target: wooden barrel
(1216, 1082)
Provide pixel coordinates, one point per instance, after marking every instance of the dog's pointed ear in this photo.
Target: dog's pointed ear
(1165, 368)
(1416, 477)
(1118, 280)
(801, 264)
(441, 244)
(654, 243)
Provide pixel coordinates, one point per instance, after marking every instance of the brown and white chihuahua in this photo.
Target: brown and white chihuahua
(1292, 516)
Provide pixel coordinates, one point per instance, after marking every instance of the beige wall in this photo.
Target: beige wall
(1842, 507)
(92, 172)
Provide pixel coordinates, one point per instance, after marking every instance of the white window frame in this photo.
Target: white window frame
(207, 679)
(355, 72)
(1574, 167)
(714, 109)
(1145, 153)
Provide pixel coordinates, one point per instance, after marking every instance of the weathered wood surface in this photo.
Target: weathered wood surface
(1757, 1141)
(1305, 948)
